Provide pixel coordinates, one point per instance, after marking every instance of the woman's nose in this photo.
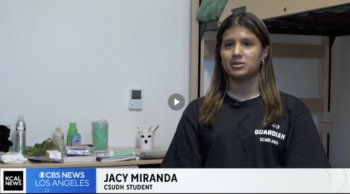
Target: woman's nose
(237, 50)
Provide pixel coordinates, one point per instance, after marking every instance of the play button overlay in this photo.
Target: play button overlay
(176, 102)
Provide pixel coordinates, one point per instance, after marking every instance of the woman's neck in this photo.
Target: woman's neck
(244, 90)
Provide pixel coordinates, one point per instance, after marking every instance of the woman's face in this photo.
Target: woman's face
(242, 53)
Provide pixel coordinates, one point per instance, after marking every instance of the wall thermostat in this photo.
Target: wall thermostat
(135, 98)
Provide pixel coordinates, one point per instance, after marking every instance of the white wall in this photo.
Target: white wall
(340, 102)
(74, 61)
(298, 77)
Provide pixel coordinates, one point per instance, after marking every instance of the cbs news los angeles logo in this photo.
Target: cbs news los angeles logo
(13, 180)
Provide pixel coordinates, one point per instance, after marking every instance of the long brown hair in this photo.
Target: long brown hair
(219, 82)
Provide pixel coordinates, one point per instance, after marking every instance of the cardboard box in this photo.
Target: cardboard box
(53, 154)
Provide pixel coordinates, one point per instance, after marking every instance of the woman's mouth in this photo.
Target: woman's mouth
(237, 65)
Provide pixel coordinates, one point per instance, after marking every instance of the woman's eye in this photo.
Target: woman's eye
(228, 45)
(247, 44)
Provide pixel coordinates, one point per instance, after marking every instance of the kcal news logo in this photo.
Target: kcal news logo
(12, 180)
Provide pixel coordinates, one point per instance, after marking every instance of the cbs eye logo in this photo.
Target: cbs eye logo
(42, 175)
(49, 175)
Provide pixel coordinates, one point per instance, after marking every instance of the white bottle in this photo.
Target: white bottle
(58, 138)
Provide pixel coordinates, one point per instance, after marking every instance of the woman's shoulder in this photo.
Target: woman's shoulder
(193, 107)
(293, 103)
(195, 104)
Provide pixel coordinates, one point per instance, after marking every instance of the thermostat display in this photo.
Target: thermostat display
(135, 98)
(136, 95)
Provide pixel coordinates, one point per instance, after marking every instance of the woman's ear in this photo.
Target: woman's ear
(265, 52)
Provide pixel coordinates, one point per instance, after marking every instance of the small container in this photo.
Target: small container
(55, 154)
(76, 139)
(100, 134)
(78, 151)
(58, 138)
(146, 140)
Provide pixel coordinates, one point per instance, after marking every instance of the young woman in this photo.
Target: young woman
(244, 120)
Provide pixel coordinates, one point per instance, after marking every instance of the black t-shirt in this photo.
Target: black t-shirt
(238, 139)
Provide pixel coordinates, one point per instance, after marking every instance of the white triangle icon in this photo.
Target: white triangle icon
(176, 102)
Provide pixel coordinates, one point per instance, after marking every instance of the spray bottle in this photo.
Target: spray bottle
(20, 135)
